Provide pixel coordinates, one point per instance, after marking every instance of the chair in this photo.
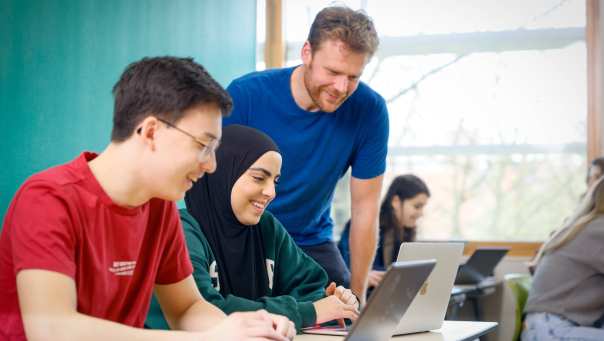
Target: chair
(506, 307)
(519, 284)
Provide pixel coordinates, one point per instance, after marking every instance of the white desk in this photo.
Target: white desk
(450, 331)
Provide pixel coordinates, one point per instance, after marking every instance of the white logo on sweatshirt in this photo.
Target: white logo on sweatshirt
(270, 271)
(214, 276)
(123, 268)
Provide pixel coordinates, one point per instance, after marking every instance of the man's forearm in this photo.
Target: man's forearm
(363, 239)
(201, 316)
(76, 326)
(364, 206)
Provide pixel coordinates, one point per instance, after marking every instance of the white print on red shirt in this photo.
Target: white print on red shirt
(123, 268)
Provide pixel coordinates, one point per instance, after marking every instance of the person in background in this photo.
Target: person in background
(566, 300)
(595, 171)
(401, 208)
(243, 258)
(325, 121)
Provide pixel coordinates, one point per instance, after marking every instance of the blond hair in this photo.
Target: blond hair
(591, 207)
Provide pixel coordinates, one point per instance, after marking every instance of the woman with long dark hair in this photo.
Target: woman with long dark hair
(402, 206)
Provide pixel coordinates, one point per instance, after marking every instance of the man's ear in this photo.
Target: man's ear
(306, 53)
(147, 130)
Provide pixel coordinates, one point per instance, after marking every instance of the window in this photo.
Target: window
(487, 103)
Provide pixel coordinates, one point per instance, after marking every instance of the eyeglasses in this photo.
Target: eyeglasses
(206, 149)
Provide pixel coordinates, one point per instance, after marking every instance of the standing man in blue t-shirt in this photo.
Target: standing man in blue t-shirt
(324, 120)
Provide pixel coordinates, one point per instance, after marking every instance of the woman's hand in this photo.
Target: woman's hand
(339, 304)
(375, 278)
(345, 295)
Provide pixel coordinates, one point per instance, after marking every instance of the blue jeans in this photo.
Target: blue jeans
(546, 326)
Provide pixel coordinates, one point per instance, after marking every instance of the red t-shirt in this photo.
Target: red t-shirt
(61, 220)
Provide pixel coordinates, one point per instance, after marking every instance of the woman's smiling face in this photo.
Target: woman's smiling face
(410, 210)
(255, 188)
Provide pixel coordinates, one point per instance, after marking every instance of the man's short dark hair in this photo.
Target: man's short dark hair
(164, 87)
(354, 28)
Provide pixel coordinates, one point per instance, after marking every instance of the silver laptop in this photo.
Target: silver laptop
(387, 304)
(428, 309)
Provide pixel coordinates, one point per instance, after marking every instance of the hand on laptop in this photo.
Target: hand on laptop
(257, 325)
(374, 278)
(345, 295)
(283, 326)
(339, 304)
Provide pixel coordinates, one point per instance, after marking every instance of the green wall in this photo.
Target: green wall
(60, 59)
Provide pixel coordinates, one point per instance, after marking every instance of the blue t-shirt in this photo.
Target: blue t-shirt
(317, 147)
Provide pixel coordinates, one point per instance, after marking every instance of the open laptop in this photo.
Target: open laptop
(480, 265)
(427, 311)
(387, 304)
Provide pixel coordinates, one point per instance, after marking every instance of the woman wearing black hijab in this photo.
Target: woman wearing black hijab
(242, 256)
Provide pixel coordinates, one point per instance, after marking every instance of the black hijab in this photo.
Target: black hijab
(238, 248)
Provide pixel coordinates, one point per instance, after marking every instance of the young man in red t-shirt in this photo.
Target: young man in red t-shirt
(85, 244)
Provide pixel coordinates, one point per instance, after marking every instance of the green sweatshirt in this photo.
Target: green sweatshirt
(295, 280)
